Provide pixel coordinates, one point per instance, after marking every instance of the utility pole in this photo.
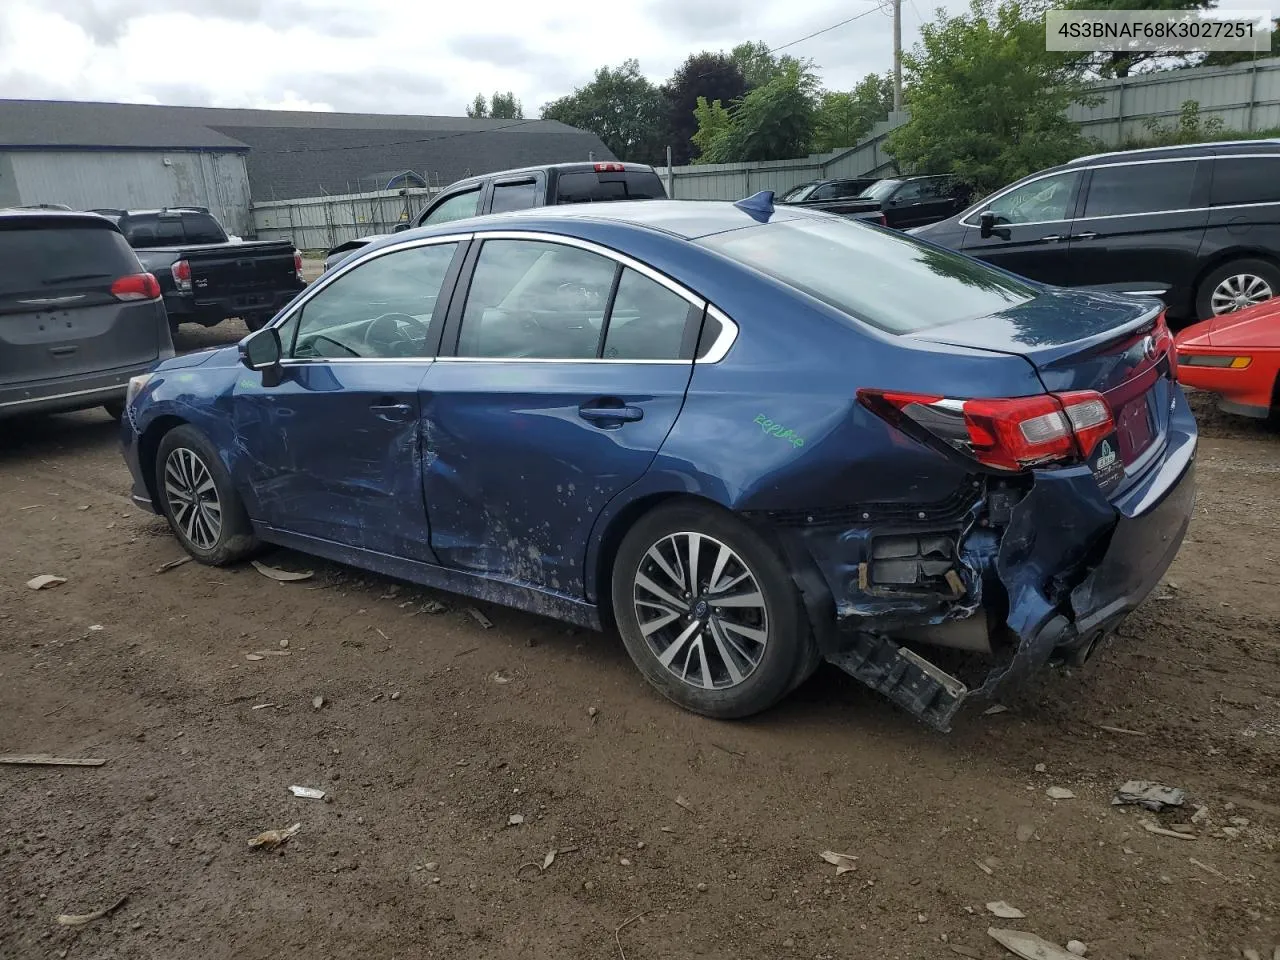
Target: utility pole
(897, 56)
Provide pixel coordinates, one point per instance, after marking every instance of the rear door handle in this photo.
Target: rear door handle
(394, 412)
(599, 413)
(1052, 238)
(1083, 236)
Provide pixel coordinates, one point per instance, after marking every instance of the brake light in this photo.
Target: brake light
(1165, 345)
(182, 275)
(137, 286)
(1008, 433)
(610, 168)
(884, 221)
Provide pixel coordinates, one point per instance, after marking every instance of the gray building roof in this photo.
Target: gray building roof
(302, 153)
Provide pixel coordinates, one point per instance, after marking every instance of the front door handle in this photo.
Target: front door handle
(390, 411)
(1052, 238)
(610, 413)
(1083, 236)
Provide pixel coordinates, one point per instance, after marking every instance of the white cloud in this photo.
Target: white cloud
(387, 56)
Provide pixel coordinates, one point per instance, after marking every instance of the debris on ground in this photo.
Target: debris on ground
(1201, 815)
(515, 820)
(682, 802)
(80, 919)
(1145, 793)
(45, 580)
(966, 952)
(1028, 945)
(433, 607)
(994, 709)
(984, 868)
(1004, 911)
(592, 711)
(284, 644)
(307, 793)
(271, 653)
(1151, 827)
(44, 760)
(480, 618)
(317, 702)
(270, 839)
(1041, 768)
(1025, 832)
(500, 678)
(1060, 793)
(843, 862)
(395, 695)
(1076, 948)
(1207, 869)
(165, 567)
(254, 656)
(281, 576)
(1121, 730)
(262, 706)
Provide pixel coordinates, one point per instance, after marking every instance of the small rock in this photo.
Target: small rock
(1077, 948)
(418, 867)
(137, 925)
(766, 895)
(1201, 815)
(639, 844)
(1041, 768)
(1129, 851)
(1025, 832)
(1060, 793)
(588, 886)
(788, 943)
(150, 796)
(1183, 828)
(515, 820)
(1231, 832)
(703, 888)
(668, 829)
(396, 695)
(921, 918)
(1250, 954)
(625, 862)
(1004, 911)
(318, 702)
(994, 709)
(284, 644)
(432, 866)
(1166, 879)
(592, 711)
(1239, 821)
(435, 879)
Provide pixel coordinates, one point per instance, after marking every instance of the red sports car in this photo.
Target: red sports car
(1237, 356)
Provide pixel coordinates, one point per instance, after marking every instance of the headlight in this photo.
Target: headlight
(1213, 360)
(135, 387)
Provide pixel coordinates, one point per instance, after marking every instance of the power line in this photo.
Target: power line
(879, 5)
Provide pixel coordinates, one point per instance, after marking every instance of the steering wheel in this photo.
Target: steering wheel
(385, 330)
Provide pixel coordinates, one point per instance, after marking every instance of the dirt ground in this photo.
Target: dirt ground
(435, 731)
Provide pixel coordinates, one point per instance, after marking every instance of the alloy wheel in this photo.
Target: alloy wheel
(1239, 291)
(193, 497)
(701, 610)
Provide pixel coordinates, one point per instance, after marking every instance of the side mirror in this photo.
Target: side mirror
(261, 350)
(894, 201)
(987, 220)
(400, 228)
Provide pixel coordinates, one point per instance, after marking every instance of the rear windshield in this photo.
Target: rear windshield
(881, 189)
(73, 255)
(796, 194)
(885, 279)
(592, 187)
(171, 229)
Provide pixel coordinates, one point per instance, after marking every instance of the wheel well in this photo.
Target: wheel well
(1227, 257)
(148, 445)
(612, 540)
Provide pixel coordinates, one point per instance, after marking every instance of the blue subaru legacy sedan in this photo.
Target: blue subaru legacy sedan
(749, 439)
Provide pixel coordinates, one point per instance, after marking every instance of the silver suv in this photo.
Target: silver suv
(78, 314)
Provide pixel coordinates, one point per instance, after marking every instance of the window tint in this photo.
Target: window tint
(849, 188)
(202, 228)
(796, 194)
(881, 189)
(911, 192)
(647, 321)
(592, 187)
(382, 308)
(885, 279)
(1140, 188)
(514, 196)
(534, 299)
(457, 207)
(828, 191)
(1246, 180)
(51, 259)
(169, 231)
(1046, 199)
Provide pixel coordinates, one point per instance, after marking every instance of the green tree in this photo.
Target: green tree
(478, 108)
(845, 118)
(1225, 58)
(1122, 63)
(987, 100)
(505, 106)
(714, 121)
(772, 122)
(622, 108)
(759, 64)
(703, 76)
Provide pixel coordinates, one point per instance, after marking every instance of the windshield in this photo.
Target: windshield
(880, 190)
(883, 278)
(796, 194)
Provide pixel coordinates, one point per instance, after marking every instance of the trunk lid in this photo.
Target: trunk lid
(240, 269)
(58, 317)
(1080, 340)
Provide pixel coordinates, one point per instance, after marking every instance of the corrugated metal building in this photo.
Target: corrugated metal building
(88, 155)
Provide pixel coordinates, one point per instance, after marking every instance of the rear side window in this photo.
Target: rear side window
(647, 321)
(1140, 188)
(1245, 180)
(887, 280)
(514, 196)
(51, 258)
(592, 187)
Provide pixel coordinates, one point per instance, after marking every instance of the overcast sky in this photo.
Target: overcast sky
(398, 56)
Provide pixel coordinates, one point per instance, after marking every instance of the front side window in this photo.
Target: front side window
(825, 192)
(458, 207)
(514, 196)
(911, 192)
(1040, 201)
(796, 194)
(880, 190)
(378, 310)
(1140, 188)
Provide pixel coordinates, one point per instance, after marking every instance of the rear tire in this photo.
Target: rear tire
(740, 640)
(199, 501)
(1246, 281)
(256, 321)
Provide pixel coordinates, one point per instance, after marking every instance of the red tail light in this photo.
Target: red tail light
(610, 168)
(884, 221)
(297, 264)
(1165, 345)
(182, 275)
(137, 286)
(1008, 433)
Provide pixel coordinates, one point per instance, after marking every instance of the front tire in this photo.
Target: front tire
(709, 613)
(256, 321)
(1236, 285)
(199, 501)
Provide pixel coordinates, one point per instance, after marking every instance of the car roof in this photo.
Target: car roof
(12, 214)
(1219, 147)
(569, 167)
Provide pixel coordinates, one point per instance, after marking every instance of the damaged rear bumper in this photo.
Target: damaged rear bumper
(1039, 579)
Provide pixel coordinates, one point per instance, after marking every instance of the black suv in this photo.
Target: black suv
(1198, 226)
(589, 182)
(834, 196)
(902, 202)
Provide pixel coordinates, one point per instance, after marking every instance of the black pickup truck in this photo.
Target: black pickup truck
(902, 202)
(582, 182)
(833, 196)
(205, 277)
